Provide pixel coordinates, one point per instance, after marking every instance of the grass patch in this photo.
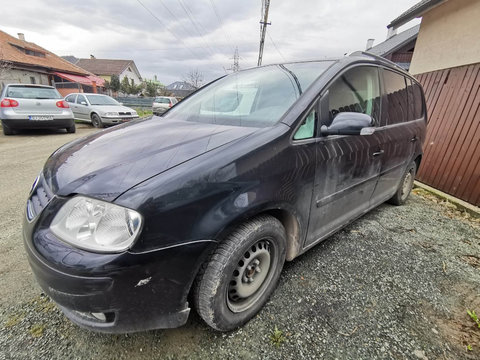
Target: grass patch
(142, 112)
(37, 330)
(277, 338)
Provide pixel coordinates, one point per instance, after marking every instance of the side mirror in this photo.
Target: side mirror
(83, 102)
(349, 123)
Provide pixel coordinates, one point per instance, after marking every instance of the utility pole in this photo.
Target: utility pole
(263, 28)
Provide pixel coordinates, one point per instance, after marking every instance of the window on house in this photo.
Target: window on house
(32, 80)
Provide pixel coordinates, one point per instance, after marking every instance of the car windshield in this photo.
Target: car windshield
(31, 92)
(101, 100)
(258, 97)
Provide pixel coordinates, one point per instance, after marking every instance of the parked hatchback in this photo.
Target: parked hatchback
(162, 104)
(25, 106)
(99, 109)
(124, 226)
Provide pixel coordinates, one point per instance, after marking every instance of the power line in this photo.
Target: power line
(166, 28)
(275, 45)
(194, 23)
(225, 32)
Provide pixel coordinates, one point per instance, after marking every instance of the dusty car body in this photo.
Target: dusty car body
(214, 198)
(100, 110)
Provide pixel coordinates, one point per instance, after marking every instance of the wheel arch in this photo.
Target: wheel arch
(288, 219)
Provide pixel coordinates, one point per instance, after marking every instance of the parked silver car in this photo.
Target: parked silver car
(26, 106)
(99, 109)
(162, 104)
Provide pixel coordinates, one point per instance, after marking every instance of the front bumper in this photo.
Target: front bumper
(117, 120)
(131, 291)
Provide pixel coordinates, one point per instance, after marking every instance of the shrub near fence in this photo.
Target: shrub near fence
(133, 101)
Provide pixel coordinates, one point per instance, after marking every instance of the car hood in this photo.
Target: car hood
(108, 163)
(111, 108)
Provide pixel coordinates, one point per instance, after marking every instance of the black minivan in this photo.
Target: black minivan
(126, 227)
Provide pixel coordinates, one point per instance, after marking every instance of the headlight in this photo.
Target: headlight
(134, 113)
(96, 225)
(111, 114)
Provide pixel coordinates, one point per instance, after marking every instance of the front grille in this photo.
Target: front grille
(39, 198)
(125, 113)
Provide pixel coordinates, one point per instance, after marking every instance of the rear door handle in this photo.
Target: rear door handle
(414, 139)
(378, 153)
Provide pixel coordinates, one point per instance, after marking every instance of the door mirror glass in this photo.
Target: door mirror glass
(349, 123)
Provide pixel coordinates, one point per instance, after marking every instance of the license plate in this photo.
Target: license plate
(41, 117)
(128, 119)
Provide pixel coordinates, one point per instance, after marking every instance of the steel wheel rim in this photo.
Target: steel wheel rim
(251, 276)
(407, 184)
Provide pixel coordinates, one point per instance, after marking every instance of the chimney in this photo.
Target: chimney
(391, 32)
(92, 57)
(369, 44)
(21, 36)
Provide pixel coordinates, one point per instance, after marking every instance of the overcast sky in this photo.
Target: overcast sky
(169, 38)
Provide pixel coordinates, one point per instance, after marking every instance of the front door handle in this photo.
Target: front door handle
(378, 153)
(414, 139)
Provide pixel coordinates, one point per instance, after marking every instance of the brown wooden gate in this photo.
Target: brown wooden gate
(451, 161)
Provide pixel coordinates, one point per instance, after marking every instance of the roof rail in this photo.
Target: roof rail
(366, 53)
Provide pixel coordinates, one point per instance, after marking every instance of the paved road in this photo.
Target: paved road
(393, 285)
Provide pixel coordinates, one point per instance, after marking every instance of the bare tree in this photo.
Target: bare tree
(194, 78)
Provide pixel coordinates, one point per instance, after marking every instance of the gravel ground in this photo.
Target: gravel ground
(395, 284)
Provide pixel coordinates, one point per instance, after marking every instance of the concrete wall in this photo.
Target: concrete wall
(448, 37)
(12, 76)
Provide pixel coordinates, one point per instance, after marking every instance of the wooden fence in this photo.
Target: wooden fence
(451, 161)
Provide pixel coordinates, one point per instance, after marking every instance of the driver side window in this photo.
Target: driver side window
(356, 90)
(81, 98)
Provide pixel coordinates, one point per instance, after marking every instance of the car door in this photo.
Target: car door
(82, 108)
(397, 134)
(347, 166)
(71, 100)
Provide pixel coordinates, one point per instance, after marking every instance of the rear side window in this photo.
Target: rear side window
(31, 92)
(395, 108)
(418, 101)
(71, 98)
(356, 90)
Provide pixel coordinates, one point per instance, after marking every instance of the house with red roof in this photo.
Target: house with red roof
(25, 62)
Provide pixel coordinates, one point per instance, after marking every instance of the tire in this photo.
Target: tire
(242, 272)
(71, 129)
(96, 121)
(7, 130)
(406, 185)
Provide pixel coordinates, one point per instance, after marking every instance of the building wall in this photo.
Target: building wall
(131, 75)
(13, 76)
(448, 37)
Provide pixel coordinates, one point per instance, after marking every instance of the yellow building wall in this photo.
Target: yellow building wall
(106, 77)
(449, 36)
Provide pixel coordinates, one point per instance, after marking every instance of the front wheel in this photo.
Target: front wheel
(96, 121)
(241, 274)
(406, 185)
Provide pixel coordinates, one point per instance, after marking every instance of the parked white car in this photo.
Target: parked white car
(99, 109)
(162, 104)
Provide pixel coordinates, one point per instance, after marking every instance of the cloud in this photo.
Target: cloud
(168, 38)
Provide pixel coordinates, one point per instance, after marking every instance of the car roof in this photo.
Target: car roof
(30, 85)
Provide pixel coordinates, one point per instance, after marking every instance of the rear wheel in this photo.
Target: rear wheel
(242, 272)
(96, 121)
(405, 186)
(6, 129)
(71, 129)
